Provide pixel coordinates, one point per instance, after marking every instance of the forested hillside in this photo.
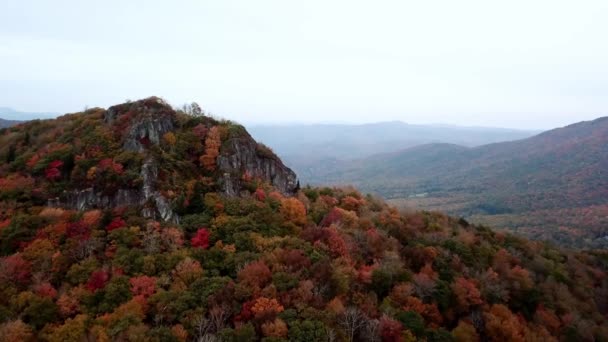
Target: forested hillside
(140, 223)
(552, 186)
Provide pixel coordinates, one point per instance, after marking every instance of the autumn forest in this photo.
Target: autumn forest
(122, 225)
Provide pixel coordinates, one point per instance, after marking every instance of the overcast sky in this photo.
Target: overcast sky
(516, 63)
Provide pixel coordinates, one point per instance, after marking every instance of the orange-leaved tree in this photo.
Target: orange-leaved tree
(212, 149)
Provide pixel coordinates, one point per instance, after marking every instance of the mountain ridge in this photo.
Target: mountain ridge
(8, 113)
(558, 169)
(344, 142)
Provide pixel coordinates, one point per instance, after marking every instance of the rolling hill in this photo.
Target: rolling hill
(10, 117)
(561, 173)
(305, 146)
(142, 223)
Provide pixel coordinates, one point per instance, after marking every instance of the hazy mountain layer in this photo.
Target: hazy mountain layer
(15, 115)
(303, 146)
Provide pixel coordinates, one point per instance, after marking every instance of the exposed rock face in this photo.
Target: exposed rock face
(148, 126)
(162, 207)
(243, 155)
(90, 198)
(151, 129)
(155, 205)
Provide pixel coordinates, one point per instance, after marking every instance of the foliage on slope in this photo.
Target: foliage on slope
(327, 263)
(323, 265)
(529, 180)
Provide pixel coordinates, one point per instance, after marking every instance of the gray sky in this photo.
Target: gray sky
(517, 63)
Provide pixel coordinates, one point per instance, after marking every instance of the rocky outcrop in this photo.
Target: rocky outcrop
(243, 155)
(148, 129)
(162, 207)
(142, 124)
(148, 122)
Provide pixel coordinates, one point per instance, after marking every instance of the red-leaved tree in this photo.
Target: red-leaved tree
(143, 285)
(116, 223)
(52, 171)
(98, 280)
(390, 330)
(14, 268)
(201, 239)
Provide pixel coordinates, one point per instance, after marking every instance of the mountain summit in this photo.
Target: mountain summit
(140, 153)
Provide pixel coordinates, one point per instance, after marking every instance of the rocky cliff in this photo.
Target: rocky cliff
(139, 127)
(146, 124)
(243, 155)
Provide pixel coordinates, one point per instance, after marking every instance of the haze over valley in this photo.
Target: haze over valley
(306, 147)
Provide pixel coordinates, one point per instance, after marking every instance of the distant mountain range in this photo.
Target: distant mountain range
(559, 176)
(307, 147)
(10, 114)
